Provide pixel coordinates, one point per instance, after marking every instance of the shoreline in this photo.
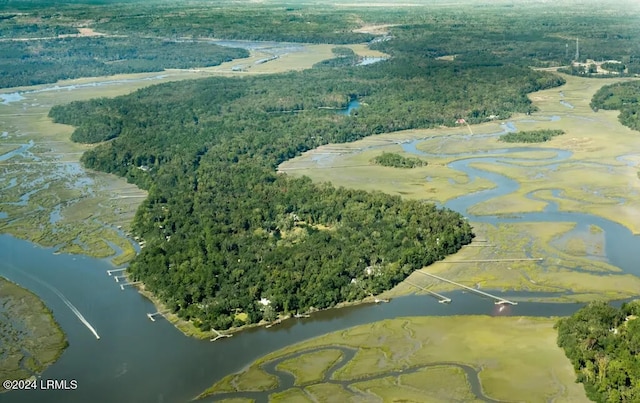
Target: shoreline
(119, 84)
(189, 329)
(293, 61)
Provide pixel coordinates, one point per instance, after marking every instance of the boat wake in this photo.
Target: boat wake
(66, 302)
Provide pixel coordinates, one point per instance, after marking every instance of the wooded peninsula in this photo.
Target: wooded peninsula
(229, 240)
(223, 230)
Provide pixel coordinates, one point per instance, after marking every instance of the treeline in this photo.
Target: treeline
(8, 30)
(532, 136)
(529, 34)
(400, 94)
(398, 161)
(623, 97)
(286, 24)
(617, 67)
(45, 61)
(33, 25)
(345, 57)
(532, 36)
(224, 230)
(603, 344)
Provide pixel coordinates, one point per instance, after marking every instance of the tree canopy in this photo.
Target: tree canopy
(531, 136)
(398, 161)
(624, 97)
(603, 344)
(44, 61)
(224, 230)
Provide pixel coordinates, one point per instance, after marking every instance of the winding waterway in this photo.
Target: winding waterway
(618, 239)
(287, 381)
(137, 360)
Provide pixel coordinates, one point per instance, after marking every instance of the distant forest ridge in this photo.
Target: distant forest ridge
(526, 34)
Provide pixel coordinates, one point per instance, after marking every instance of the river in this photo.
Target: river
(137, 360)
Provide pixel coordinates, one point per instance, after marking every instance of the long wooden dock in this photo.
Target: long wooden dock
(441, 298)
(499, 300)
(110, 272)
(535, 259)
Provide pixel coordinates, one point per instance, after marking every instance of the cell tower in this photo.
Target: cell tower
(566, 51)
(577, 50)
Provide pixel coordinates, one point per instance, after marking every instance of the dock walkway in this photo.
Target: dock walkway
(441, 298)
(499, 300)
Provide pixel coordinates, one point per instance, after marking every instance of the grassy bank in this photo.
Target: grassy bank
(312, 367)
(31, 340)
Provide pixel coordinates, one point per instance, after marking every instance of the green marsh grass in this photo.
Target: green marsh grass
(310, 367)
(31, 339)
(329, 392)
(290, 395)
(517, 359)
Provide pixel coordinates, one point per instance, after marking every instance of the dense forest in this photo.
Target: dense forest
(398, 161)
(152, 35)
(224, 230)
(532, 136)
(624, 97)
(603, 344)
(287, 24)
(45, 61)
